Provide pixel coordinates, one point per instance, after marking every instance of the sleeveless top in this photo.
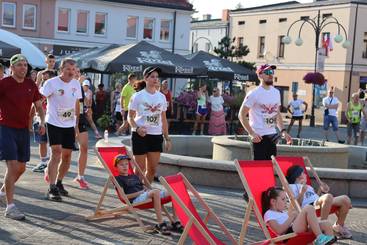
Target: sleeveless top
(354, 112)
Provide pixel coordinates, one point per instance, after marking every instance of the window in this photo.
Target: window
(165, 29)
(327, 15)
(304, 17)
(364, 54)
(29, 16)
(132, 25)
(82, 22)
(280, 47)
(8, 14)
(100, 24)
(63, 20)
(282, 20)
(195, 48)
(262, 21)
(148, 28)
(261, 50)
(240, 42)
(294, 87)
(207, 47)
(240, 23)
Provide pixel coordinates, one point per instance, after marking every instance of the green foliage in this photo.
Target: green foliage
(249, 65)
(104, 121)
(227, 49)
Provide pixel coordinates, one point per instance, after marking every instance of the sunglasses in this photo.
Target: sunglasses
(268, 72)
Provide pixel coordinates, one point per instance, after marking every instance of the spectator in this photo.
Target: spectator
(201, 109)
(331, 104)
(2, 71)
(217, 122)
(167, 93)
(364, 118)
(115, 104)
(295, 108)
(127, 92)
(354, 110)
(88, 107)
(101, 99)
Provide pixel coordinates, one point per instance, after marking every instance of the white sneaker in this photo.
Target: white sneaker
(3, 201)
(14, 213)
(342, 231)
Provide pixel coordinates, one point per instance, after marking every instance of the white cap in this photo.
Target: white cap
(86, 82)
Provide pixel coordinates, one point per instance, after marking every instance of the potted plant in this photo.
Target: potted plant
(104, 122)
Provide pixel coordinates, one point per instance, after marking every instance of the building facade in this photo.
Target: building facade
(262, 29)
(64, 26)
(206, 33)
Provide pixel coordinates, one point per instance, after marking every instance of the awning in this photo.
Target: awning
(7, 50)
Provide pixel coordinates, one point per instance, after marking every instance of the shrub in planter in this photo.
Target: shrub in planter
(104, 122)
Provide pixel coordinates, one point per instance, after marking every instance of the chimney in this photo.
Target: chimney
(207, 16)
(225, 14)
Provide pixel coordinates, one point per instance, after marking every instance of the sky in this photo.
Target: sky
(215, 7)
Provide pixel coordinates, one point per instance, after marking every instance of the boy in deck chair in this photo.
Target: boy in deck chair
(306, 195)
(137, 192)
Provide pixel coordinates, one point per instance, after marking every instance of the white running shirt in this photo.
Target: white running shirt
(264, 105)
(296, 106)
(61, 99)
(330, 101)
(149, 108)
(216, 102)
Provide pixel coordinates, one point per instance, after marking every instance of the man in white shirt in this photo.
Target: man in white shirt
(295, 108)
(263, 107)
(63, 93)
(331, 104)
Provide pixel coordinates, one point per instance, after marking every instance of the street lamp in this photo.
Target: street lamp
(318, 25)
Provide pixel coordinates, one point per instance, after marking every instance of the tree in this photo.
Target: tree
(238, 6)
(228, 50)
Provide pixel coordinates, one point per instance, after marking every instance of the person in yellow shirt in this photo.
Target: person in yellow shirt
(354, 113)
(127, 92)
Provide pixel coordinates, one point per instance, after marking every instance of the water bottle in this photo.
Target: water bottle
(105, 136)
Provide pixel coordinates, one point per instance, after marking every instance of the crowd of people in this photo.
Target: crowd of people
(57, 107)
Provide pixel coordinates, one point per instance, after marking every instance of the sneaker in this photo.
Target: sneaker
(323, 239)
(45, 176)
(62, 190)
(342, 231)
(14, 213)
(53, 194)
(82, 183)
(3, 202)
(40, 167)
(341, 141)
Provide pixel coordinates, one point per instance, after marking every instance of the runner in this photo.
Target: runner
(127, 92)
(42, 139)
(82, 136)
(297, 113)
(116, 105)
(17, 94)
(88, 100)
(263, 106)
(147, 118)
(50, 62)
(63, 94)
(201, 109)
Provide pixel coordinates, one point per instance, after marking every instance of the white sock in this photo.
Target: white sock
(81, 177)
(9, 206)
(2, 194)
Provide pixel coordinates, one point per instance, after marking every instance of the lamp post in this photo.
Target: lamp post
(197, 39)
(318, 25)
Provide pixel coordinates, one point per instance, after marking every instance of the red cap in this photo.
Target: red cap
(264, 67)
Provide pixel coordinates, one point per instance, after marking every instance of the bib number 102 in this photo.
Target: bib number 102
(152, 119)
(270, 121)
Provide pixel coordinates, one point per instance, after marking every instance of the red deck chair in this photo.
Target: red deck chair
(106, 156)
(258, 176)
(195, 227)
(281, 165)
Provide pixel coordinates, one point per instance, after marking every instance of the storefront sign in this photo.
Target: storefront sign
(60, 50)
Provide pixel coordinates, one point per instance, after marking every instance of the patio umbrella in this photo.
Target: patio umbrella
(136, 57)
(222, 68)
(7, 50)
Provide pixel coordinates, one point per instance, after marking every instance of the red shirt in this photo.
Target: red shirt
(16, 100)
(168, 96)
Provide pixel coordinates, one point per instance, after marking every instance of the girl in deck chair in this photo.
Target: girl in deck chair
(306, 195)
(274, 203)
(137, 192)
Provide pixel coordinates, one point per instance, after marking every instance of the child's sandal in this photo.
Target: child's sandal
(177, 227)
(163, 229)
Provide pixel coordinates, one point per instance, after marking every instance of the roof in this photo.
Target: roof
(203, 21)
(170, 4)
(295, 5)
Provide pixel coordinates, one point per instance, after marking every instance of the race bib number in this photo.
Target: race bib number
(270, 122)
(152, 120)
(66, 114)
(355, 114)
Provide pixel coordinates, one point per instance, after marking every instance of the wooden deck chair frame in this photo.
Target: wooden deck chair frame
(285, 184)
(127, 207)
(192, 219)
(252, 206)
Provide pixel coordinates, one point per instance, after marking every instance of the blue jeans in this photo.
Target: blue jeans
(330, 119)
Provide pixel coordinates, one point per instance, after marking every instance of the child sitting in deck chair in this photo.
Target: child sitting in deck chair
(306, 195)
(274, 203)
(137, 192)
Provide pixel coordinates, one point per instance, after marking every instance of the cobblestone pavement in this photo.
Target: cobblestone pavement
(64, 223)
